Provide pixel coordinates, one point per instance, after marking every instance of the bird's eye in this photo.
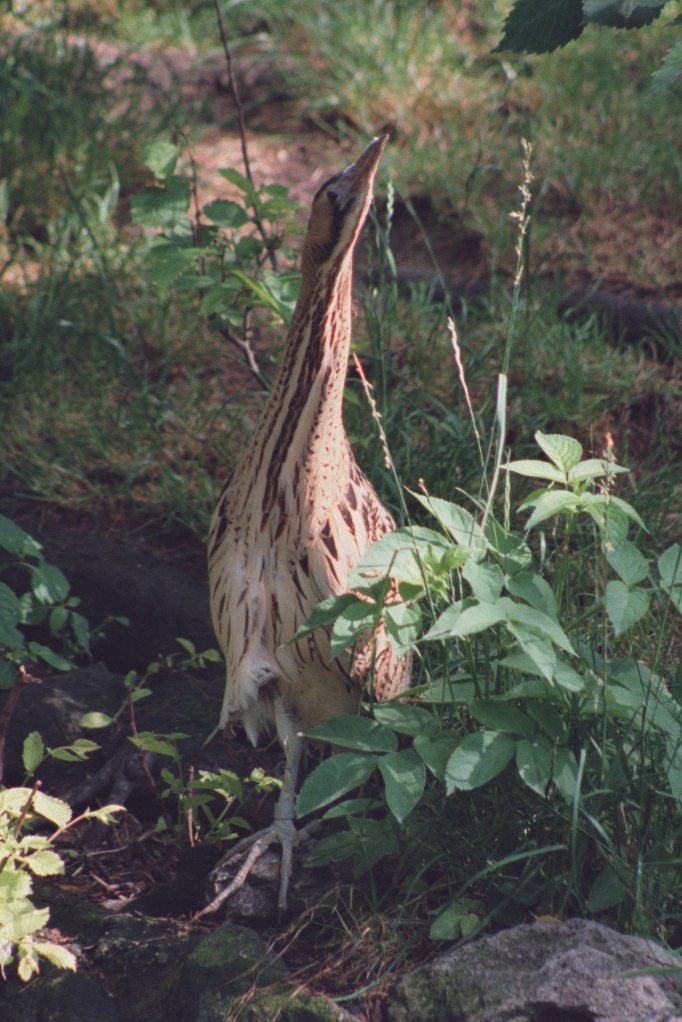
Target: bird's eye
(333, 198)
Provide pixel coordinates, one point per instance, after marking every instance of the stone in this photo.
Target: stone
(542, 972)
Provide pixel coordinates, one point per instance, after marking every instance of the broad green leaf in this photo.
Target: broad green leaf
(58, 618)
(593, 468)
(513, 552)
(670, 566)
(161, 158)
(334, 848)
(33, 752)
(377, 839)
(564, 451)
(486, 580)
(402, 623)
(50, 657)
(404, 776)
(605, 505)
(607, 891)
(534, 590)
(15, 885)
(23, 923)
(627, 561)
(166, 262)
(477, 759)
(406, 719)
(565, 773)
(443, 627)
(354, 732)
(352, 807)
(674, 770)
(56, 955)
(548, 717)
(534, 762)
(237, 179)
(462, 526)
(225, 213)
(32, 612)
(470, 621)
(284, 289)
(153, 743)
(15, 541)
(8, 673)
(537, 470)
(456, 690)
(95, 719)
(670, 70)
(436, 750)
(498, 716)
(532, 27)
(625, 606)
(325, 613)
(448, 925)
(332, 779)
(539, 649)
(622, 13)
(532, 618)
(398, 553)
(163, 207)
(53, 809)
(49, 584)
(45, 863)
(10, 607)
(81, 629)
(10, 637)
(551, 503)
(66, 755)
(350, 624)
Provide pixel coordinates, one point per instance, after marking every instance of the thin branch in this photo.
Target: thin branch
(248, 353)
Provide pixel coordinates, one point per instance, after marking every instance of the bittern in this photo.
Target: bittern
(295, 518)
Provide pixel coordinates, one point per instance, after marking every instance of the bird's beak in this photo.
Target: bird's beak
(359, 177)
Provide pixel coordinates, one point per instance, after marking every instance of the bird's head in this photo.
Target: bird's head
(339, 210)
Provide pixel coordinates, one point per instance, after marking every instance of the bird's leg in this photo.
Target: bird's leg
(282, 830)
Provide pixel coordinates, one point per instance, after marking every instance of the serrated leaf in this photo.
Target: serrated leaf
(45, 863)
(53, 809)
(161, 158)
(436, 751)
(499, 716)
(478, 759)
(670, 70)
(377, 839)
(33, 752)
(564, 451)
(534, 762)
(225, 213)
(353, 732)
(513, 552)
(486, 580)
(456, 521)
(56, 955)
(404, 777)
(95, 719)
(398, 552)
(536, 470)
(553, 502)
(625, 606)
(237, 179)
(50, 657)
(622, 13)
(533, 27)
(24, 923)
(15, 541)
(163, 207)
(332, 779)
(166, 262)
(593, 468)
(534, 589)
(406, 719)
(154, 743)
(628, 562)
(49, 584)
(334, 848)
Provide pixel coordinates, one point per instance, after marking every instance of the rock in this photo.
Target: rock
(149, 970)
(542, 972)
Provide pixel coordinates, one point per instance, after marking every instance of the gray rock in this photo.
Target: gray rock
(542, 972)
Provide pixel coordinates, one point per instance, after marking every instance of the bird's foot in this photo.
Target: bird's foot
(282, 832)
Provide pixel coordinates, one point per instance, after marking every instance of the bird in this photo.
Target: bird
(294, 520)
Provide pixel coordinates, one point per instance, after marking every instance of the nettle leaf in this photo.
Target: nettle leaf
(625, 606)
(49, 584)
(456, 521)
(398, 552)
(406, 719)
(534, 762)
(593, 468)
(403, 624)
(436, 750)
(670, 70)
(332, 779)
(628, 562)
(350, 624)
(670, 566)
(225, 213)
(15, 541)
(486, 580)
(564, 451)
(499, 716)
(536, 470)
(540, 27)
(161, 158)
(534, 589)
(606, 505)
(355, 732)
(552, 502)
(164, 208)
(33, 752)
(404, 777)
(478, 759)
(622, 13)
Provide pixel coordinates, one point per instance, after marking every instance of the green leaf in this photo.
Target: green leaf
(539, 650)
(352, 807)
(625, 606)
(332, 779)
(468, 622)
(540, 27)
(565, 773)
(24, 923)
(56, 955)
(462, 526)
(532, 618)
(670, 566)
(622, 13)
(81, 629)
(58, 618)
(398, 552)
(593, 468)
(237, 179)
(478, 759)
(163, 207)
(225, 213)
(405, 719)
(350, 624)
(53, 809)
(512, 551)
(50, 657)
(564, 451)
(670, 70)
(355, 732)
(49, 584)
(45, 864)
(499, 716)
(377, 839)
(436, 751)
(33, 752)
(161, 158)
(534, 762)
(15, 541)
(154, 743)
(402, 624)
(548, 718)
(95, 719)
(166, 262)
(404, 776)
(447, 925)
(8, 673)
(534, 590)
(443, 627)
(537, 470)
(608, 505)
(628, 562)
(552, 502)
(32, 612)
(325, 613)
(607, 891)
(10, 607)
(334, 848)
(486, 580)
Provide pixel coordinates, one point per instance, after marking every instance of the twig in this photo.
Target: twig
(27, 809)
(242, 136)
(247, 352)
(22, 678)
